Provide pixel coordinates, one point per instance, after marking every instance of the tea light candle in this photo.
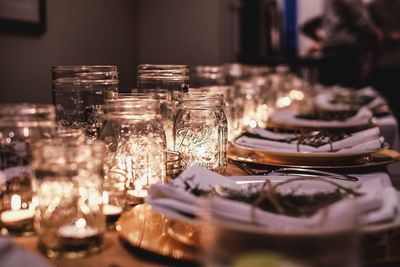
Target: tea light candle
(110, 210)
(16, 214)
(78, 230)
(138, 194)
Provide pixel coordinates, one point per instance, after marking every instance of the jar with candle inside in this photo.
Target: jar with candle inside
(136, 149)
(247, 100)
(68, 187)
(200, 131)
(21, 125)
(79, 93)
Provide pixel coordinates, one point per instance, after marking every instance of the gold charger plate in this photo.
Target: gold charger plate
(146, 229)
(380, 158)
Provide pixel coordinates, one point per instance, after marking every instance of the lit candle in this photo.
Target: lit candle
(77, 230)
(16, 215)
(108, 209)
(138, 194)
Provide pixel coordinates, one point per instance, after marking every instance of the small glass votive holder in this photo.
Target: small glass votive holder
(21, 125)
(68, 181)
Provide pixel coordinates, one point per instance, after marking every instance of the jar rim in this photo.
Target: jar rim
(96, 68)
(9, 109)
(161, 67)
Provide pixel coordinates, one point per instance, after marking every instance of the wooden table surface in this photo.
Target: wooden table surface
(116, 253)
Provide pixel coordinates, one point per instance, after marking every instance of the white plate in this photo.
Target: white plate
(341, 155)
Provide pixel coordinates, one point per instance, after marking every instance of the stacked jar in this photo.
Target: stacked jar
(79, 93)
(212, 80)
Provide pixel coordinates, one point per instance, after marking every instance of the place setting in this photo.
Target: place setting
(196, 174)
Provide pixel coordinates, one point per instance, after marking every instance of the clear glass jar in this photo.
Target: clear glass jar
(207, 76)
(21, 125)
(229, 105)
(68, 182)
(234, 72)
(200, 131)
(168, 77)
(136, 149)
(266, 100)
(247, 98)
(79, 93)
(167, 108)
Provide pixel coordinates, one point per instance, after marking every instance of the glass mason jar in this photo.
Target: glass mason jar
(266, 100)
(174, 78)
(168, 108)
(207, 76)
(68, 183)
(247, 98)
(136, 149)
(200, 131)
(229, 105)
(79, 93)
(21, 125)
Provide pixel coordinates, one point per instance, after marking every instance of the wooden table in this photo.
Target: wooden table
(118, 254)
(113, 255)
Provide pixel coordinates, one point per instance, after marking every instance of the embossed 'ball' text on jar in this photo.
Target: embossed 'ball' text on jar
(200, 131)
(79, 93)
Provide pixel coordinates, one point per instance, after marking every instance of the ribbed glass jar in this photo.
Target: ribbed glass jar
(21, 125)
(200, 131)
(168, 77)
(136, 149)
(79, 93)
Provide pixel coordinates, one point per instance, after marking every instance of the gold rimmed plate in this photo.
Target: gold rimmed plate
(380, 158)
(146, 229)
(311, 155)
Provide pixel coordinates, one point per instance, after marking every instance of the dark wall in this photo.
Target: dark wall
(78, 32)
(187, 31)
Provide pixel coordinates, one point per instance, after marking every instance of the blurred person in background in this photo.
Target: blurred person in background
(312, 28)
(386, 77)
(349, 44)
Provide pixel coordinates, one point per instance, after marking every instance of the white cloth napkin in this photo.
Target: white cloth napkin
(288, 117)
(323, 101)
(379, 202)
(365, 140)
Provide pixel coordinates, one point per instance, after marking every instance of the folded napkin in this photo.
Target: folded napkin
(362, 141)
(288, 117)
(378, 203)
(323, 101)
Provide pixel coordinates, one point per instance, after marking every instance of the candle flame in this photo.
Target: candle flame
(105, 198)
(283, 102)
(15, 202)
(25, 131)
(80, 223)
